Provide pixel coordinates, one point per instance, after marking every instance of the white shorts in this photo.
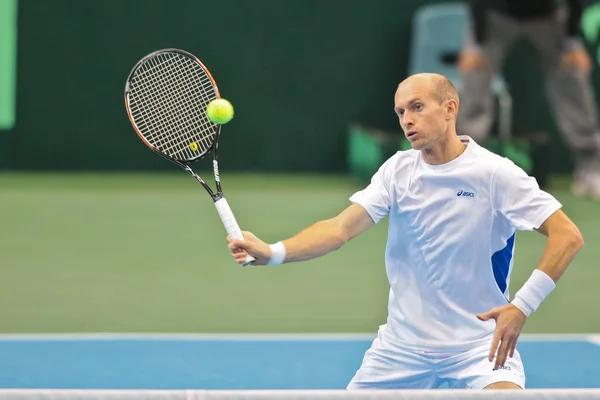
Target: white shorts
(385, 367)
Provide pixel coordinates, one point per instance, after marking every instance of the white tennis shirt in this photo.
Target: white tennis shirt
(451, 241)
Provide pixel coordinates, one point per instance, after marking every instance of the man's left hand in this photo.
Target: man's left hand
(509, 323)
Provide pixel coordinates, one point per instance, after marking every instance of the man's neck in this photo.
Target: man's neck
(444, 151)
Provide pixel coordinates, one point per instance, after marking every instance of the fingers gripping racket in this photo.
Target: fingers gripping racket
(166, 95)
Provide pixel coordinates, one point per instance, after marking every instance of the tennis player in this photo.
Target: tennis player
(453, 208)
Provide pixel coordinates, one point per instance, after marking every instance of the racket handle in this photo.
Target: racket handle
(231, 225)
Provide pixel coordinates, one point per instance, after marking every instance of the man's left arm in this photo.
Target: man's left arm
(564, 242)
(525, 206)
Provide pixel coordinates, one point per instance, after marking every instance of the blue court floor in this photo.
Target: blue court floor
(245, 361)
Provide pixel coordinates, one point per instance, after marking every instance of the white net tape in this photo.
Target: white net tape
(529, 394)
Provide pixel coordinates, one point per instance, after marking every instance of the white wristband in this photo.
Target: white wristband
(534, 291)
(277, 254)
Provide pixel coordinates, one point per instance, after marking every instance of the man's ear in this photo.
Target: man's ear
(451, 108)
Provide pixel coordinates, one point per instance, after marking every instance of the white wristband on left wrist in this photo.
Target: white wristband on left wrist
(534, 291)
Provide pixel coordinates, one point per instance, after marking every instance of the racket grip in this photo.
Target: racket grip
(231, 225)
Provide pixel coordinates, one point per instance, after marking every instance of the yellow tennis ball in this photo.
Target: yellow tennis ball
(219, 111)
(194, 146)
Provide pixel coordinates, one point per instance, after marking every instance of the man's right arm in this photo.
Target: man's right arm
(315, 241)
(368, 207)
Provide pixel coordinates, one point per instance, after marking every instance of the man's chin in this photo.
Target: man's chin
(417, 144)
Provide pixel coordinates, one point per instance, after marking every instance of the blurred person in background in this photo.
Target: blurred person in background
(552, 27)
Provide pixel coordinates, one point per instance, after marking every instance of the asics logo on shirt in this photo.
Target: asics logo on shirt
(465, 194)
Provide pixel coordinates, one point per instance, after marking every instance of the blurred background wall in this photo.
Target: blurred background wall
(298, 72)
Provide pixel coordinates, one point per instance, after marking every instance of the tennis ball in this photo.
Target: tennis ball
(194, 146)
(219, 111)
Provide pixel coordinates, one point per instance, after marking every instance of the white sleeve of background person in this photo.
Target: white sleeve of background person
(376, 197)
(519, 198)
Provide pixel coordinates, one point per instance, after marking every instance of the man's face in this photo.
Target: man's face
(422, 118)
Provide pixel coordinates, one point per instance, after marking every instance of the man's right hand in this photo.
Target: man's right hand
(471, 60)
(250, 245)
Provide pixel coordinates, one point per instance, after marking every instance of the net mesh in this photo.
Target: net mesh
(168, 95)
(529, 394)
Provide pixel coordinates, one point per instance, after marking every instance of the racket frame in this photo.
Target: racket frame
(217, 196)
(215, 144)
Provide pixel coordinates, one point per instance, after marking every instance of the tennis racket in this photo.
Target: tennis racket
(166, 95)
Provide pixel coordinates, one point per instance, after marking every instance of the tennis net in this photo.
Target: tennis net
(71, 394)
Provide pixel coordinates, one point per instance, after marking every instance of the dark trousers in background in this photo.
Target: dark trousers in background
(569, 90)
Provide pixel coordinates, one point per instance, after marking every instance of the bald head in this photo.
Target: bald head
(427, 106)
(438, 85)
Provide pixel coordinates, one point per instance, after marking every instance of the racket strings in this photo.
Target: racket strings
(175, 144)
(168, 97)
(172, 144)
(155, 126)
(181, 107)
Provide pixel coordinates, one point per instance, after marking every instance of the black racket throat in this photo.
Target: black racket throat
(185, 165)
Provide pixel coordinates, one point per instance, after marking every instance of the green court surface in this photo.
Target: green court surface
(147, 253)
